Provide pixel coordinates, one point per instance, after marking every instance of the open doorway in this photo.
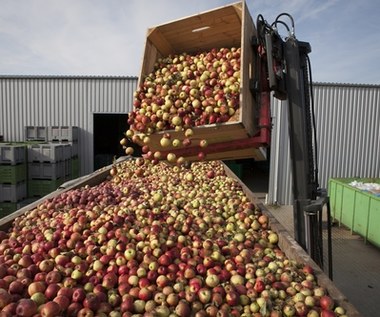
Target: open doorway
(254, 174)
(109, 129)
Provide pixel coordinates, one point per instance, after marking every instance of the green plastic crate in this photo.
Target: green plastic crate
(373, 234)
(7, 208)
(42, 187)
(356, 209)
(75, 167)
(13, 174)
(236, 168)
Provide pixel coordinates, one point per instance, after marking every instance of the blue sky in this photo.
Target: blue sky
(107, 38)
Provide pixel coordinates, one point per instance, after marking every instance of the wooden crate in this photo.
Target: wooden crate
(228, 26)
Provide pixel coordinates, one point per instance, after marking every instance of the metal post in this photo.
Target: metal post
(313, 214)
(300, 140)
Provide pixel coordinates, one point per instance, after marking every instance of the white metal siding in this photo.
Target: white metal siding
(348, 133)
(347, 118)
(62, 101)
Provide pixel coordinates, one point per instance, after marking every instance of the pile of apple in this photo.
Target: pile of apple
(188, 90)
(185, 91)
(153, 240)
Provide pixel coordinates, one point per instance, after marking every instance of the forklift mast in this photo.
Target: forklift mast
(288, 75)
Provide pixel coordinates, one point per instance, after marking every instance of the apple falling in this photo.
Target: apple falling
(184, 91)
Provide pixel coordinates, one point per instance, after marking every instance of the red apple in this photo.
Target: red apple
(127, 303)
(232, 298)
(110, 280)
(16, 287)
(182, 309)
(259, 286)
(73, 309)
(78, 295)
(26, 308)
(326, 302)
(35, 287)
(91, 301)
(85, 312)
(5, 298)
(62, 301)
(52, 291)
(204, 295)
(9, 310)
(327, 313)
(66, 291)
(53, 277)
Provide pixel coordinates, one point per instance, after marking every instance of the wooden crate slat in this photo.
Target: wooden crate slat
(200, 20)
(160, 42)
(214, 20)
(151, 55)
(254, 153)
(247, 59)
(238, 9)
(231, 22)
(207, 39)
(214, 133)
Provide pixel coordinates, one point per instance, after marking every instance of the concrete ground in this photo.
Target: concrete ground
(356, 264)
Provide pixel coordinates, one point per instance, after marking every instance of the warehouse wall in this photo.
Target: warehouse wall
(348, 134)
(347, 119)
(62, 101)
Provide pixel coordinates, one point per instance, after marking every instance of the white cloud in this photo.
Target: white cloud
(95, 37)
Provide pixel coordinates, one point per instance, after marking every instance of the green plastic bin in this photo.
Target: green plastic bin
(7, 208)
(13, 174)
(357, 209)
(42, 187)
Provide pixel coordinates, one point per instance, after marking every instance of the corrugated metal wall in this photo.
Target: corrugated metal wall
(347, 117)
(348, 133)
(62, 101)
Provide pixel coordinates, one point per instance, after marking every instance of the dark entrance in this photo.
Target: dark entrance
(108, 131)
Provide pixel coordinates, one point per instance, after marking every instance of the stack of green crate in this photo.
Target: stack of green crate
(356, 209)
(46, 168)
(235, 167)
(42, 187)
(75, 167)
(13, 176)
(67, 136)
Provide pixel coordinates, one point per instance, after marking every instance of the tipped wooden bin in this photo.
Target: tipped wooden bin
(228, 26)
